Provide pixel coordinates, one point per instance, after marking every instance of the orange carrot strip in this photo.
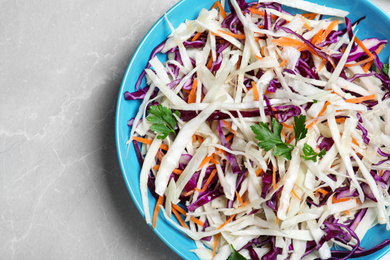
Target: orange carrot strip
(317, 36)
(277, 220)
(194, 138)
(227, 221)
(205, 161)
(322, 65)
(360, 99)
(262, 51)
(207, 182)
(181, 221)
(283, 63)
(296, 195)
(149, 142)
(367, 51)
(369, 64)
(381, 173)
(324, 109)
(229, 126)
(179, 209)
(229, 137)
(175, 171)
(238, 36)
(274, 177)
(215, 243)
(307, 27)
(156, 210)
(197, 221)
(292, 138)
(258, 57)
(327, 32)
(262, 13)
(359, 63)
(285, 41)
(239, 198)
(259, 171)
(192, 96)
(355, 142)
(256, 96)
(309, 16)
(200, 139)
(320, 190)
(196, 36)
(209, 64)
(334, 200)
(223, 13)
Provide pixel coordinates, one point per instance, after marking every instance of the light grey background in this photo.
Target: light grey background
(62, 195)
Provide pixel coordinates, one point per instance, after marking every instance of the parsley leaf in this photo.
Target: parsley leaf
(271, 139)
(162, 120)
(310, 154)
(235, 255)
(300, 127)
(385, 69)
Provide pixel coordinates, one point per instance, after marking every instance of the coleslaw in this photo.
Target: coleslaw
(265, 133)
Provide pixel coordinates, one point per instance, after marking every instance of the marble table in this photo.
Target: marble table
(62, 195)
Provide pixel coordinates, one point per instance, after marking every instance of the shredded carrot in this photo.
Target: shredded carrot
(283, 63)
(175, 171)
(259, 171)
(320, 190)
(215, 243)
(262, 51)
(179, 209)
(262, 13)
(239, 62)
(317, 36)
(229, 137)
(322, 64)
(210, 62)
(340, 120)
(334, 200)
(197, 221)
(296, 195)
(307, 27)
(360, 99)
(200, 139)
(189, 193)
(223, 13)
(367, 51)
(192, 96)
(324, 109)
(277, 220)
(256, 96)
(347, 212)
(274, 177)
(309, 16)
(194, 138)
(257, 56)
(207, 182)
(205, 161)
(285, 41)
(284, 135)
(227, 221)
(359, 63)
(381, 173)
(292, 138)
(369, 64)
(156, 210)
(326, 32)
(181, 221)
(228, 126)
(238, 36)
(355, 142)
(196, 36)
(239, 198)
(214, 161)
(149, 142)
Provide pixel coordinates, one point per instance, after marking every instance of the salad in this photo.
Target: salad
(266, 133)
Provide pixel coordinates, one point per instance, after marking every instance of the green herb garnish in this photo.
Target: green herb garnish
(385, 69)
(310, 154)
(235, 255)
(162, 120)
(272, 139)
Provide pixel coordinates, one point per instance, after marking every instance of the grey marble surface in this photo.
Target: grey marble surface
(62, 195)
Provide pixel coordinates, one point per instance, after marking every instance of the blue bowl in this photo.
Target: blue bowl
(376, 24)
